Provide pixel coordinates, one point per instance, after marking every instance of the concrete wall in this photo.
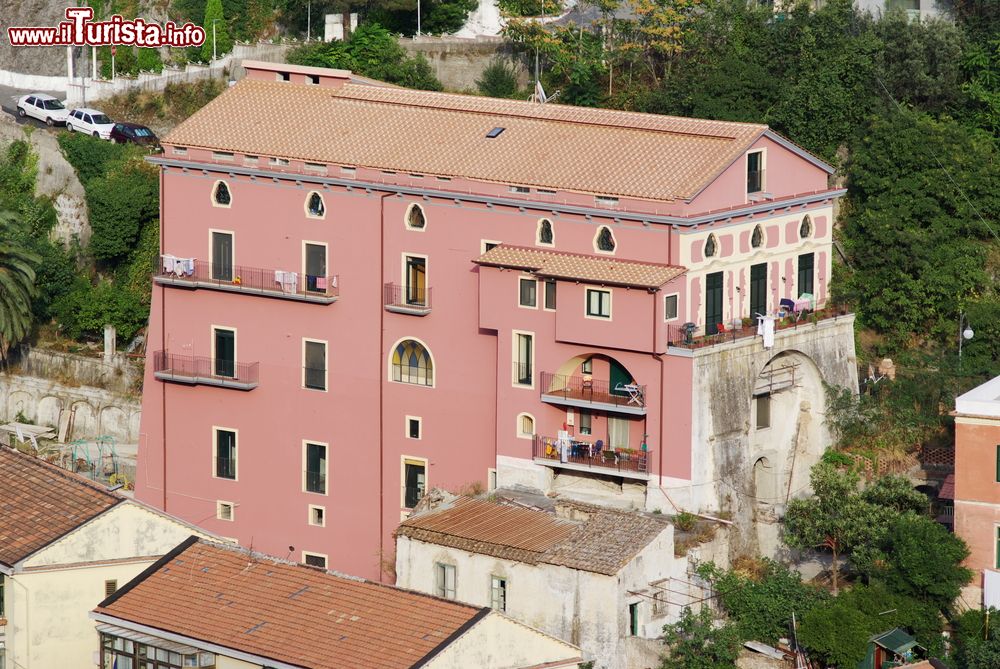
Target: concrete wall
(497, 642)
(54, 590)
(459, 62)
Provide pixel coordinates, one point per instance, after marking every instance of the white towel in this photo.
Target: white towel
(768, 325)
(991, 588)
(188, 266)
(169, 263)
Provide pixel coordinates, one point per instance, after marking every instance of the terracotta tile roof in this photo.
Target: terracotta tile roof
(948, 487)
(579, 267)
(40, 503)
(604, 542)
(550, 146)
(286, 612)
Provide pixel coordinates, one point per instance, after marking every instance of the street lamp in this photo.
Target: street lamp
(965, 332)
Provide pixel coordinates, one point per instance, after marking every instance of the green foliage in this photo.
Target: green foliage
(761, 603)
(86, 309)
(837, 635)
(445, 16)
(220, 38)
(529, 7)
(370, 51)
(934, 575)
(499, 80)
(90, 157)
(119, 204)
(17, 285)
(149, 60)
(977, 640)
(694, 643)
(684, 521)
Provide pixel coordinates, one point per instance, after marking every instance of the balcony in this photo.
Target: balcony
(596, 394)
(401, 299)
(583, 456)
(679, 337)
(183, 273)
(198, 370)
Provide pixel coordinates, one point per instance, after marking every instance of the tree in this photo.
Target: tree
(977, 639)
(217, 42)
(694, 643)
(935, 576)
(119, 205)
(499, 80)
(17, 286)
(836, 634)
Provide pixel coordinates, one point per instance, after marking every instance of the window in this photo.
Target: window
(225, 454)
(314, 205)
(998, 463)
(315, 473)
(488, 245)
(222, 155)
(414, 481)
(711, 246)
(220, 194)
(757, 238)
(586, 422)
(350, 171)
(316, 279)
(278, 162)
(312, 79)
(495, 132)
(250, 160)
(314, 364)
(670, 307)
(416, 281)
(520, 189)
(528, 293)
(222, 256)
(284, 76)
(314, 560)
(491, 484)
(545, 235)
(806, 274)
(525, 426)
(444, 580)
(415, 219)
(806, 228)
(755, 172)
(604, 201)
(598, 303)
(225, 352)
(587, 366)
(633, 619)
(523, 358)
(110, 586)
(550, 294)
(317, 515)
(225, 511)
(498, 593)
(413, 426)
(605, 240)
(618, 429)
(763, 412)
(412, 363)
(996, 562)
(180, 150)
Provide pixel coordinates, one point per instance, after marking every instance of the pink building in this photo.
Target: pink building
(365, 291)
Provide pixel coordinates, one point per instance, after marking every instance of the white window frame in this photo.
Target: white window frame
(677, 296)
(517, 426)
(746, 171)
(494, 591)
(215, 451)
(614, 238)
(305, 205)
(521, 278)
(326, 256)
(484, 242)
(326, 364)
(491, 479)
(310, 517)
(326, 467)
(211, 195)
(430, 354)
(444, 568)
(413, 459)
(406, 217)
(326, 559)
(538, 233)
(586, 304)
(211, 257)
(514, 358)
(420, 427)
(219, 503)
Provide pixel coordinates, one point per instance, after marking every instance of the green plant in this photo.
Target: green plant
(530, 7)
(119, 204)
(977, 639)
(695, 643)
(21, 418)
(17, 286)
(217, 39)
(499, 79)
(685, 521)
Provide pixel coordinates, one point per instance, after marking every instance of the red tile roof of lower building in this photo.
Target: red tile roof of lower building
(287, 612)
(948, 487)
(41, 502)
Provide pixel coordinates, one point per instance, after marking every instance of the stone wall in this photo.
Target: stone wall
(459, 62)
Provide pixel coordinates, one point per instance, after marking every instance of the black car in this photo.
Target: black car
(124, 133)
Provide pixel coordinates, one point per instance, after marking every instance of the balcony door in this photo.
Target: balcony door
(806, 273)
(617, 432)
(225, 353)
(713, 302)
(416, 281)
(758, 289)
(222, 256)
(316, 268)
(618, 377)
(522, 365)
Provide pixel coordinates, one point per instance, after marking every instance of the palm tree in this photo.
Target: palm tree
(17, 285)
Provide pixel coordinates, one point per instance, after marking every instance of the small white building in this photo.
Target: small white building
(66, 543)
(604, 580)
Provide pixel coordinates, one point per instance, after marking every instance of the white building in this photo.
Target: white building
(604, 580)
(66, 543)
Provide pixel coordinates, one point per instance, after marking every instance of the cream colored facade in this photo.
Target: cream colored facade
(49, 594)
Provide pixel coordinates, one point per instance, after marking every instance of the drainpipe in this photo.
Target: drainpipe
(381, 390)
(163, 345)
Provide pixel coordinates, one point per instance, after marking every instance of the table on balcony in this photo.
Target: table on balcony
(582, 456)
(586, 392)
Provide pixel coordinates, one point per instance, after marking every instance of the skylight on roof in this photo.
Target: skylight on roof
(495, 132)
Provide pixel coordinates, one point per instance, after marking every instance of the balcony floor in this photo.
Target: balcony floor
(585, 466)
(584, 399)
(191, 284)
(193, 380)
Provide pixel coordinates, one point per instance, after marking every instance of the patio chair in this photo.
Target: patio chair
(598, 447)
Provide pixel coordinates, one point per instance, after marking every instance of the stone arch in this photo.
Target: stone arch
(49, 408)
(83, 418)
(20, 402)
(113, 422)
(766, 481)
(573, 367)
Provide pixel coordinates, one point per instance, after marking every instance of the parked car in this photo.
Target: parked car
(124, 133)
(43, 107)
(91, 122)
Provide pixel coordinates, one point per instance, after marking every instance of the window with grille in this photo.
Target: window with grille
(414, 482)
(110, 586)
(525, 425)
(314, 560)
(411, 363)
(221, 195)
(315, 206)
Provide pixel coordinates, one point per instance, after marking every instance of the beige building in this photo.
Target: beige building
(65, 544)
(207, 604)
(601, 579)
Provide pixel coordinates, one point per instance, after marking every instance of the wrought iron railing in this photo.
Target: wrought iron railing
(523, 373)
(590, 454)
(583, 388)
(687, 337)
(406, 297)
(200, 369)
(272, 282)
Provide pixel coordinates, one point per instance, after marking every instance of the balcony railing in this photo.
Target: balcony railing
(406, 299)
(679, 336)
(225, 468)
(201, 370)
(523, 373)
(590, 393)
(581, 455)
(173, 271)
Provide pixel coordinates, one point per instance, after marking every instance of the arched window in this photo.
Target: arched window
(806, 229)
(711, 247)
(314, 205)
(220, 194)
(415, 217)
(545, 236)
(411, 363)
(757, 239)
(605, 240)
(525, 425)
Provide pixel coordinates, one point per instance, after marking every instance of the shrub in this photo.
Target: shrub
(149, 60)
(89, 156)
(119, 204)
(87, 309)
(529, 7)
(499, 80)
(694, 643)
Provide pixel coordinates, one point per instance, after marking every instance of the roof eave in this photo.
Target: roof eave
(799, 151)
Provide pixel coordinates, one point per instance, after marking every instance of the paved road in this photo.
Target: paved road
(8, 103)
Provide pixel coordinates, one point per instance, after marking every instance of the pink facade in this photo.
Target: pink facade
(473, 397)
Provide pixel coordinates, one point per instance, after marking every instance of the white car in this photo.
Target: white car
(91, 122)
(43, 107)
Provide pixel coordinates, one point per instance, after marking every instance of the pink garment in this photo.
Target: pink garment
(321, 283)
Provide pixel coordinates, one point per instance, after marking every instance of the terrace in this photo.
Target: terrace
(591, 457)
(681, 336)
(587, 392)
(282, 284)
(199, 370)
